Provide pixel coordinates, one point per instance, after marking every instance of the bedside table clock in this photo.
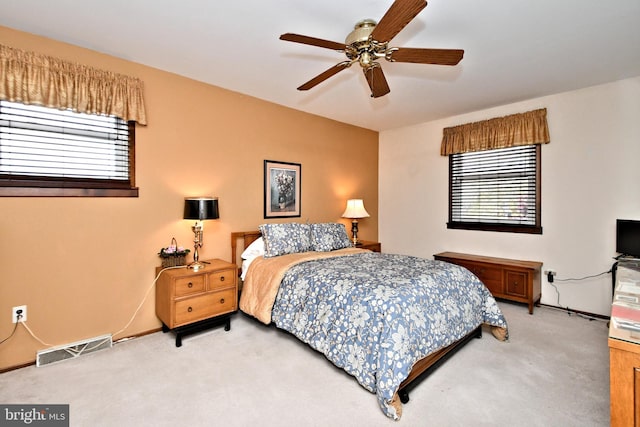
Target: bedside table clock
(189, 301)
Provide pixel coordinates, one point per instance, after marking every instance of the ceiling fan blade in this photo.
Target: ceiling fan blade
(325, 75)
(377, 81)
(426, 56)
(297, 38)
(397, 17)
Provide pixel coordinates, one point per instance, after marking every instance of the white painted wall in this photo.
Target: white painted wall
(590, 177)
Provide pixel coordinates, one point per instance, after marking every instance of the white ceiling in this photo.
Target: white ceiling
(514, 49)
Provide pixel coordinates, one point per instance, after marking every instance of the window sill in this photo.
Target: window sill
(506, 228)
(67, 192)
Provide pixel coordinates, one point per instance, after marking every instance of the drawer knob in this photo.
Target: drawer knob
(189, 309)
(222, 278)
(190, 285)
(221, 300)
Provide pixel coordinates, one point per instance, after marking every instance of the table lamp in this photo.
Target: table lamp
(200, 209)
(355, 209)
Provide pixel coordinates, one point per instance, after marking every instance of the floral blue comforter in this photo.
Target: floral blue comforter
(374, 315)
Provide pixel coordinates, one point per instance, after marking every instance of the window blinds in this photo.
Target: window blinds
(61, 144)
(495, 186)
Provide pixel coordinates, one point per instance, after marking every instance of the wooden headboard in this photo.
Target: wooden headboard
(247, 237)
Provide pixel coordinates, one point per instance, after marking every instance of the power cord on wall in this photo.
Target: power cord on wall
(585, 277)
(135, 313)
(568, 310)
(34, 335)
(15, 327)
(23, 323)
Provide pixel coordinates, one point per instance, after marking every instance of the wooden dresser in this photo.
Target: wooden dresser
(188, 301)
(509, 279)
(624, 348)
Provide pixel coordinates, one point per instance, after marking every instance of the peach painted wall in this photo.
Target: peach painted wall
(83, 265)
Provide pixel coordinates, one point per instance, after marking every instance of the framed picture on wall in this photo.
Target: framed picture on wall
(282, 189)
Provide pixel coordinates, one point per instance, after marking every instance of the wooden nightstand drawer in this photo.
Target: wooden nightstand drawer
(192, 309)
(221, 279)
(189, 285)
(204, 306)
(188, 301)
(225, 301)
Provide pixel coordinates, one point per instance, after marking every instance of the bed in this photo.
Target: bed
(386, 319)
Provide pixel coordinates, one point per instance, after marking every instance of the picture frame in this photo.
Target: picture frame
(282, 189)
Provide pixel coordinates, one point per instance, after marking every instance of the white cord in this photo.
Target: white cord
(34, 335)
(78, 352)
(145, 298)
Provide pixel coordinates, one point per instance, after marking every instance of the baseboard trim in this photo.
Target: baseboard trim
(13, 368)
(141, 334)
(119, 340)
(571, 310)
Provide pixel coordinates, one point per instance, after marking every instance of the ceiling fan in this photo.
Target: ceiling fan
(369, 42)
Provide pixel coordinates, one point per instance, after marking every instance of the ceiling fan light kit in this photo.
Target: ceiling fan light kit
(369, 41)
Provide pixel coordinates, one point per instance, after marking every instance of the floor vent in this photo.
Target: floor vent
(73, 350)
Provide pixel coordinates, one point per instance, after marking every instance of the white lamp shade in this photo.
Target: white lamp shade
(355, 209)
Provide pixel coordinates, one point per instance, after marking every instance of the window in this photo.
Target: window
(496, 190)
(51, 152)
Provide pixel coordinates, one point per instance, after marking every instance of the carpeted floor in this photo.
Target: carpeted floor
(554, 371)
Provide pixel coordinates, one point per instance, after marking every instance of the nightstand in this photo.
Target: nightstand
(372, 246)
(189, 301)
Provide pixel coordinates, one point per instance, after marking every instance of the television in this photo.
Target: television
(628, 237)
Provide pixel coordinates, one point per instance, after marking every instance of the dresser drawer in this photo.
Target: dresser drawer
(221, 279)
(204, 306)
(516, 283)
(225, 301)
(189, 285)
(489, 275)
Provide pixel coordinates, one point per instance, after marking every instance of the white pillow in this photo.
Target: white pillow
(255, 249)
(245, 267)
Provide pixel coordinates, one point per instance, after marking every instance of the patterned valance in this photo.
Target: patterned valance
(509, 131)
(32, 78)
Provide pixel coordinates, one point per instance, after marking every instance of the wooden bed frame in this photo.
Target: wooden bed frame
(421, 369)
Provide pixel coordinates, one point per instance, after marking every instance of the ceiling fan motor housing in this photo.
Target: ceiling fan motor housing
(361, 47)
(361, 32)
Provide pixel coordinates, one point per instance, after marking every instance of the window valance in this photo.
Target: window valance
(32, 78)
(502, 132)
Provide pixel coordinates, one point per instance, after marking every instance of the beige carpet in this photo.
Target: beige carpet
(554, 371)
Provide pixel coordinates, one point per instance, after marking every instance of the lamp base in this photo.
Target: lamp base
(198, 265)
(354, 231)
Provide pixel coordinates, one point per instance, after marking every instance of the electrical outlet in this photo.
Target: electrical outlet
(550, 274)
(19, 310)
